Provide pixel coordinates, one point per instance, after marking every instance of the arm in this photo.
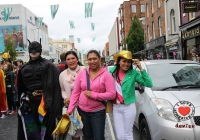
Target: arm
(75, 93)
(110, 91)
(143, 79)
(64, 95)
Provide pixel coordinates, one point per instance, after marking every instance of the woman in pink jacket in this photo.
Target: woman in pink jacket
(90, 102)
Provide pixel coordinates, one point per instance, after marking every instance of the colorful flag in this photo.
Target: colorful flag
(79, 40)
(92, 26)
(93, 39)
(64, 40)
(7, 12)
(40, 21)
(88, 9)
(54, 9)
(71, 23)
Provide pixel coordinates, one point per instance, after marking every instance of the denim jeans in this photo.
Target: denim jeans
(93, 124)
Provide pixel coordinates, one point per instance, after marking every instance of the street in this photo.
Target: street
(8, 129)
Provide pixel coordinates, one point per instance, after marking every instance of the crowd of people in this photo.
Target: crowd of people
(25, 89)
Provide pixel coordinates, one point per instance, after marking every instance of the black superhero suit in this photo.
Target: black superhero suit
(38, 75)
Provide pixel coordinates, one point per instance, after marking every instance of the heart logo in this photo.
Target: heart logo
(184, 110)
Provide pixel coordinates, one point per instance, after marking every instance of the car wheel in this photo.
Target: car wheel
(144, 130)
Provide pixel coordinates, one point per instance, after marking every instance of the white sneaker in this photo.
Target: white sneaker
(3, 116)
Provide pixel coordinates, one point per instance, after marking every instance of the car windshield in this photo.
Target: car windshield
(168, 75)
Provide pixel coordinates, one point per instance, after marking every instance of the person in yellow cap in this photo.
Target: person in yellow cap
(124, 109)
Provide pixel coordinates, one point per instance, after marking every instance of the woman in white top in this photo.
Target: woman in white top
(67, 78)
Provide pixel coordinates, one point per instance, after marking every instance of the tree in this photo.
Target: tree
(135, 38)
(10, 48)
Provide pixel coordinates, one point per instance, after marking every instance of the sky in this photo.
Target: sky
(104, 15)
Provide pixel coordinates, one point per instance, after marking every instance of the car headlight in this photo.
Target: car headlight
(163, 108)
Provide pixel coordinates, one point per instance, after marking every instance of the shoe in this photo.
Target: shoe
(8, 112)
(3, 116)
(13, 112)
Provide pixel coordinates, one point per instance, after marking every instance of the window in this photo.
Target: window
(148, 33)
(133, 8)
(173, 23)
(142, 8)
(122, 35)
(122, 24)
(122, 13)
(160, 26)
(191, 15)
(153, 30)
(147, 10)
(158, 3)
(152, 6)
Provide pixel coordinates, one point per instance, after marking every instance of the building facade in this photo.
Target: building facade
(126, 13)
(173, 35)
(155, 29)
(113, 39)
(21, 25)
(190, 27)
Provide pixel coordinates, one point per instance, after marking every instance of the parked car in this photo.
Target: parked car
(170, 110)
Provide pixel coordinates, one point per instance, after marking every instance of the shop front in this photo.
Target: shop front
(173, 49)
(190, 33)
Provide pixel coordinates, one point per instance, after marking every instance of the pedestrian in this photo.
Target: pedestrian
(3, 104)
(67, 79)
(38, 84)
(91, 95)
(198, 57)
(62, 64)
(194, 54)
(10, 88)
(124, 109)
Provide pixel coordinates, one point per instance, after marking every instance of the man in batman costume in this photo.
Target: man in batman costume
(38, 78)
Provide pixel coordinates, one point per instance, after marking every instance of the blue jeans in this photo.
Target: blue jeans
(93, 124)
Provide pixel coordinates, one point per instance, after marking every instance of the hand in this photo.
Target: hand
(137, 63)
(66, 115)
(88, 94)
(67, 100)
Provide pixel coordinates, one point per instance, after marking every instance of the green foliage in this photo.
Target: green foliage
(135, 38)
(9, 47)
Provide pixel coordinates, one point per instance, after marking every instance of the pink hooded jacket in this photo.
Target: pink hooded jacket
(102, 87)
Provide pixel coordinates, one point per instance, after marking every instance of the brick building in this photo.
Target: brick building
(155, 28)
(126, 13)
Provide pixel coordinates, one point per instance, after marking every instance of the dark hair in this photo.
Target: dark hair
(10, 68)
(93, 51)
(73, 53)
(21, 61)
(115, 73)
(15, 63)
(62, 57)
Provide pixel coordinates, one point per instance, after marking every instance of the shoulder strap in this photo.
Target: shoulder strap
(88, 80)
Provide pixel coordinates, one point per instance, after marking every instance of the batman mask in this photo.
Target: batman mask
(34, 47)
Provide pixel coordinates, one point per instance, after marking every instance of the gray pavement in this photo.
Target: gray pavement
(8, 129)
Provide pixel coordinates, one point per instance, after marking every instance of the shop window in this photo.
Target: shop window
(173, 22)
(191, 16)
(160, 26)
(133, 8)
(152, 6)
(147, 11)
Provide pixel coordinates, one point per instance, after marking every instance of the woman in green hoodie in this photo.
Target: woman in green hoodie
(124, 109)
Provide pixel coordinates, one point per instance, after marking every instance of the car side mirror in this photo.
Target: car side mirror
(139, 88)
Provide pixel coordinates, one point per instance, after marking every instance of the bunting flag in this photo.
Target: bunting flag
(92, 26)
(93, 39)
(40, 21)
(6, 13)
(79, 40)
(88, 9)
(54, 9)
(64, 40)
(71, 23)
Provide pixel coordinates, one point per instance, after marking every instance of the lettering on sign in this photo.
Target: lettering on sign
(190, 7)
(190, 33)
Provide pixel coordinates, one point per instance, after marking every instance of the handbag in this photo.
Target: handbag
(76, 122)
(108, 104)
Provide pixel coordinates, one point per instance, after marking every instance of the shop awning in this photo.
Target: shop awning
(172, 42)
(190, 24)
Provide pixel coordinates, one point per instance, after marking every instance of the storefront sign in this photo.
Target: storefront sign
(173, 47)
(190, 33)
(10, 17)
(190, 7)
